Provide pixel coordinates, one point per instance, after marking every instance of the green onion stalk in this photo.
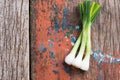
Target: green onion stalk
(80, 53)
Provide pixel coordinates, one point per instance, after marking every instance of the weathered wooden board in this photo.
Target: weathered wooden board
(54, 25)
(14, 39)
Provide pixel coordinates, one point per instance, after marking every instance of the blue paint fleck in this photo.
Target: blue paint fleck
(50, 44)
(117, 60)
(57, 26)
(52, 40)
(64, 22)
(77, 27)
(42, 48)
(95, 56)
(73, 39)
(98, 56)
(70, 32)
(55, 72)
(52, 54)
(65, 12)
(101, 57)
(54, 6)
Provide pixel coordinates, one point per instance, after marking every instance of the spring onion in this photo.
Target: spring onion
(80, 53)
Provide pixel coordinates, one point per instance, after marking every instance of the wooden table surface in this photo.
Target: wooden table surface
(14, 40)
(55, 25)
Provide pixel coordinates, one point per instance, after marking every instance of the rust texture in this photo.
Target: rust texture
(54, 27)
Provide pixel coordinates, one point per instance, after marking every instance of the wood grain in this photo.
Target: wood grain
(14, 39)
(105, 37)
(106, 30)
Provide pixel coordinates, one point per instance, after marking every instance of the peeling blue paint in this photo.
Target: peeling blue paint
(56, 23)
(73, 39)
(50, 44)
(52, 54)
(54, 6)
(64, 22)
(116, 60)
(95, 56)
(70, 32)
(52, 40)
(65, 10)
(101, 57)
(42, 48)
(77, 27)
(57, 26)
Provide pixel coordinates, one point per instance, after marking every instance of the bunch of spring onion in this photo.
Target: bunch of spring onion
(80, 53)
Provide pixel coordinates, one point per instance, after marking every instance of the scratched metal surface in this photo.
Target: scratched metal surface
(54, 27)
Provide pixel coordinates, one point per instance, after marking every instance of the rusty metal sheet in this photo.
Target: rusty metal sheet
(54, 27)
